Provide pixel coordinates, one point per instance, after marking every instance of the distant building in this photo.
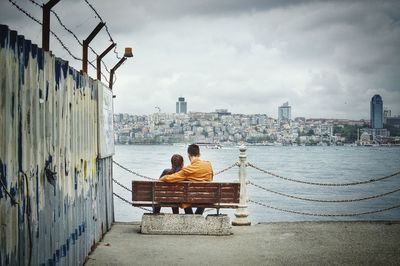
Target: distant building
(376, 112)
(222, 112)
(181, 106)
(393, 121)
(300, 119)
(386, 113)
(284, 112)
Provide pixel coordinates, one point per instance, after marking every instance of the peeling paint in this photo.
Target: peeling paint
(50, 114)
(3, 177)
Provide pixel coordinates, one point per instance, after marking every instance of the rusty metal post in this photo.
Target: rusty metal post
(46, 24)
(113, 70)
(86, 46)
(99, 57)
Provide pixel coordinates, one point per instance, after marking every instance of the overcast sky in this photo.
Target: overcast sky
(326, 58)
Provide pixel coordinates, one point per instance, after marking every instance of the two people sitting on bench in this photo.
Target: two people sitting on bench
(198, 171)
(176, 165)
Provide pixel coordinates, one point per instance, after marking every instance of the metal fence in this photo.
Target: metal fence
(55, 194)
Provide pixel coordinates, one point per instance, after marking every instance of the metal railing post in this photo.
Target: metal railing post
(100, 57)
(85, 46)
(46, 24)
(241, 212)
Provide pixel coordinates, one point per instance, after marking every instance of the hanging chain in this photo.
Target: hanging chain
(226, 169)
(323, 184)
(324, 214)
(115, 181)
(321, 200)
(130, 203)
(133, 172)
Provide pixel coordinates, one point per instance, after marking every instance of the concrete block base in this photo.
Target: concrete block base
(185, 224)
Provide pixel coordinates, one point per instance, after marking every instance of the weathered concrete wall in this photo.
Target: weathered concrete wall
(48, 159)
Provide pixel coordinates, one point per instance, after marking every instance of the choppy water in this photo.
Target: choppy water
(316, 164)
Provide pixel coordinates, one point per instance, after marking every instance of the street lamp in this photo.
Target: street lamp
(128, 53)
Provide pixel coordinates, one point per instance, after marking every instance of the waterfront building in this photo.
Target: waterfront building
(376, 112)
(181, 106)
(222, 112)
(386, 113)
(393, 121)
(284, 112)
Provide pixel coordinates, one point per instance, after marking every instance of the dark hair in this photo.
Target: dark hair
(176, 162)
(193, 150)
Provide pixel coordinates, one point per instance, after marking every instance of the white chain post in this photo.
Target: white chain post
(241, 212)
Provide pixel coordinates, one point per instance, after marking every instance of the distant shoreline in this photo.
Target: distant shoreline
(255, 145)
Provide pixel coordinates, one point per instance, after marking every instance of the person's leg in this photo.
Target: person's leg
(188, 210)
(156, 210)
(175, 210)
(199, 211)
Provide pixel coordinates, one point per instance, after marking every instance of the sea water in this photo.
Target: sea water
(326, 164)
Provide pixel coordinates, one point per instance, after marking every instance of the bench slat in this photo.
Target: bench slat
(204, 194)
(172, 204)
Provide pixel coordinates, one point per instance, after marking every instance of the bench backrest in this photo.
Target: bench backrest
(185, 192)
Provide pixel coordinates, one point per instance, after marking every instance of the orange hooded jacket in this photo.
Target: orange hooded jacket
(197, 171)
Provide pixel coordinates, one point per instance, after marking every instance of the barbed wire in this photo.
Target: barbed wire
(101, 19)
(76, 38)
(116, 53)
(322, 200)
(227, 168)
(36, 3)
(133, 172)
(121, 185)
(40, 23)
(324, 214)
(111, 40)
(324, 184)
(107, 30)
(25, 12)
(130, 203)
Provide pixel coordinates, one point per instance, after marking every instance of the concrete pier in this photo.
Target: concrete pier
(181, 224)
(296, 243)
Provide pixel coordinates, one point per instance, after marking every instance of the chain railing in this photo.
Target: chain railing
(226, 169)
(130, 203)
(324, 214)
(242, 174)
(323, 200)
(118, 183)
(323, 184)
(133, 172)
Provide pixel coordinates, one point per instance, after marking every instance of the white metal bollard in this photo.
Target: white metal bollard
(241, 212)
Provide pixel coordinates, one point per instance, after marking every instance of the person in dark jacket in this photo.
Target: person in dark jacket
(176, 166)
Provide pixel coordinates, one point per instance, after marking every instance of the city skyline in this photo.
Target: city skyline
(326, 58)
(284, 110)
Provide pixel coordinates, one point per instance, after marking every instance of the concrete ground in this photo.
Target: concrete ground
(297, 243)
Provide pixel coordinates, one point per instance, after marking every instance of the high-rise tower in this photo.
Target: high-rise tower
(284, 112)
(376, 112)
(181, 106)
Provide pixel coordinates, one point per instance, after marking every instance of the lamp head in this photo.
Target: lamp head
(128, 52)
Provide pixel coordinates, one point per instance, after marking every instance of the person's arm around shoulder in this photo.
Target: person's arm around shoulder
(175, 177)
(179, 176)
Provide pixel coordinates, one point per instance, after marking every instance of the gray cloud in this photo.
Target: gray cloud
(327, 58)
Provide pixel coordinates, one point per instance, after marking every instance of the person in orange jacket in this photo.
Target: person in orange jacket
(198, 171)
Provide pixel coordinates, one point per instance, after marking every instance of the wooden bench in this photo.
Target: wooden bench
(199, 194)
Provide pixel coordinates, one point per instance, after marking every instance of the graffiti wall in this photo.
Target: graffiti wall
(55, 192)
